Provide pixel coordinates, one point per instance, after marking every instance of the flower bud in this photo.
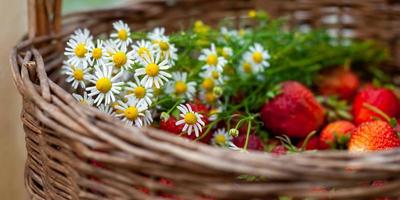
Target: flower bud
(164, 116)
(233, 132)
(217, 91)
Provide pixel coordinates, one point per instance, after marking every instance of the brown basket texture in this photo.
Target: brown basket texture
(76, 152)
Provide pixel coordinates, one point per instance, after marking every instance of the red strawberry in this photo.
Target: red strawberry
(254, 142)
(279, 150)
(294, 112)
(372, 136)
(341, 82)
(200, 108)
(313, 144)
(170, 126)
(337, 132)
(381, 98)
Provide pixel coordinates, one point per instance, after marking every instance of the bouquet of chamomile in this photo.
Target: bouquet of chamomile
(232, 88)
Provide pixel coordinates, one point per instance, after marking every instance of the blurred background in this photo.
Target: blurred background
(12, 143)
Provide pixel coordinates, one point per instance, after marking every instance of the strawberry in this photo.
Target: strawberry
(381, 98)
(293, 112)
(341, 82)
(169, 125)
(372, 136)
(313, 144)
(200, 108)
(254, 142)
(279, 150)
(336, 133)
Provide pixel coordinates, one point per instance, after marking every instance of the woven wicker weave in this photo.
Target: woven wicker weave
(76, 152)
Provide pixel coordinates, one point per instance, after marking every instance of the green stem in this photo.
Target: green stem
(309, 136)
(178, 101)
(247, 135)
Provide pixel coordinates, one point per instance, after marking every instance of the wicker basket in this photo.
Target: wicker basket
(76, 152)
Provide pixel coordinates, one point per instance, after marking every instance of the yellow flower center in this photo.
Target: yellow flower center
(142, 51)
(242, 32)
(200, 27)
(190, 118)
(131, 113)
(80, 50)
(215, 74)
(97, 53)
(123, 34)
(208, 84)
(198, 23)
(257, 57)
(252, 14)
(103, 85)
(180, 87)
(247, 67)
(164, 46)
(220, 139)
(119, 59)
(139, 92)
(209, 97)
(212, 59)
(152, 69)
(78, 74)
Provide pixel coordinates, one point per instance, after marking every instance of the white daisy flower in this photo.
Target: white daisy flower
(221, 138)
(76, 75)
(148, 118)
(139, 93)
(180, 87)
(213, 61)
(106, 109)
(132, 113)
(120, 58)
(191, 119)
(78, 46)
(142, 49)
(258, 57)
(208, 84)
(122, 36)
(105, 85)
(154, 72)
(226, 52)
(227, 34)
(165, 49)
(209, 97)
(213, 74)
(97, 53)
(246, 67)
(81, 35)
(85, 99)
(157, 33)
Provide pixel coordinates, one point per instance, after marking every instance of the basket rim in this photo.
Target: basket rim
(29, 43)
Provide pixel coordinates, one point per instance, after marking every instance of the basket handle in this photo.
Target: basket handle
(44, 17)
